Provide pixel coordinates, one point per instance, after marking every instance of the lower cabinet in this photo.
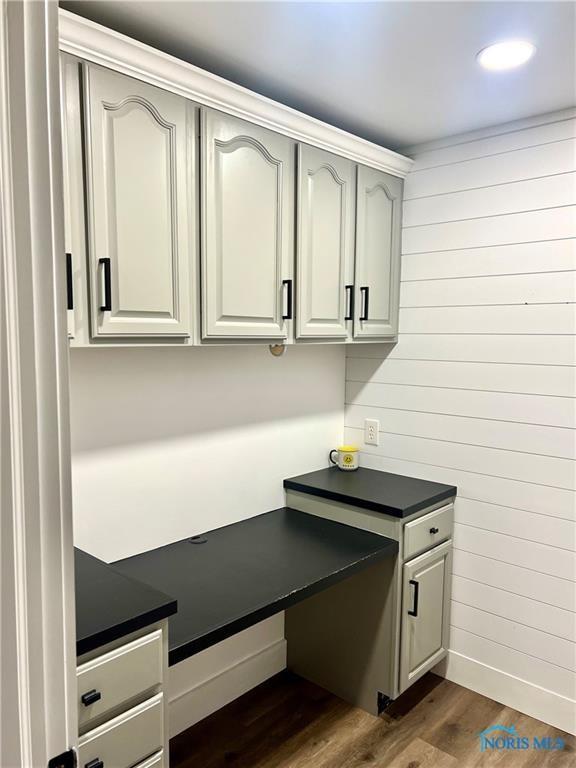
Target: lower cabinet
(122, 715)
(370, 637)
(125, 740)
(425, 627)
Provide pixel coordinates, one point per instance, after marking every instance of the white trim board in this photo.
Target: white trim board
(201, 699)
(93, 42)
(542, 704)
(491, 131)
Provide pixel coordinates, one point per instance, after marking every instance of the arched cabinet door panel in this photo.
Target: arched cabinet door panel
(247, 229)
(139, 171)
(378, 225)
(325, 250)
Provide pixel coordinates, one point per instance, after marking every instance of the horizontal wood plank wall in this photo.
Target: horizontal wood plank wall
(479, 392)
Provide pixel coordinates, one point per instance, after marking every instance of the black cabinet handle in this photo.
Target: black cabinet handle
(365, 291)
(434, 530)
(91, 697)
(414, 611)
(288, 284)
(96, 763)
(107, 305)
(69, 286)
(350, 302)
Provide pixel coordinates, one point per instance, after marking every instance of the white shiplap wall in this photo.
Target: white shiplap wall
(479, 392)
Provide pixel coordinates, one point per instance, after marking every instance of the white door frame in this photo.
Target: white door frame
(37, 634)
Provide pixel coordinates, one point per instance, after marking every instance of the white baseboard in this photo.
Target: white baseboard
(530, 699)
(202, 699)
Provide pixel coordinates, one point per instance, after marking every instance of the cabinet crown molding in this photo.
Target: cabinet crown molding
(93, 42)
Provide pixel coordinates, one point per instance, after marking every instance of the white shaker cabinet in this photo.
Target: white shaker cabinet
(140, 177)
(378, 225)
(325, 244)
(247, 200)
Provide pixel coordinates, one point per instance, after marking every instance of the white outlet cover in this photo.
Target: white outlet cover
(371, 431)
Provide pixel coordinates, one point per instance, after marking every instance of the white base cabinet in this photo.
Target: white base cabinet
(371, 637)
(122, 713)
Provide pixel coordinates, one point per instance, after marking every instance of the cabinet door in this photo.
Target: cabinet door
(378, 224)
(247, 232)
(425, 613)
(139, 212)
(325, 254)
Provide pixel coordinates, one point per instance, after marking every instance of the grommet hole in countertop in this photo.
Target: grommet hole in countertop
(198, 540)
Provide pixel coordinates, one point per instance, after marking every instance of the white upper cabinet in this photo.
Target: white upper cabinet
(377, 282)
(325, 244)
(140, 174)
(247, 229)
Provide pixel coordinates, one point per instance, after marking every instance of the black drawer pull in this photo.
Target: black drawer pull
(96, 763)
(414, 611)
(350, 302)
(288, 315)
(69, 282)
(365, 291)
(106, 306)
(91, 697)
(434, 530)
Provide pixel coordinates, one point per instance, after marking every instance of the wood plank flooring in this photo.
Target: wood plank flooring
(288, 722)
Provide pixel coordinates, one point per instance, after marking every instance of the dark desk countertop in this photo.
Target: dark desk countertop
(110, 605)
(245, 572)
(396, 495)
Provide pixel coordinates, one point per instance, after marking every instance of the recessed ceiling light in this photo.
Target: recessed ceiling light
(506, 55)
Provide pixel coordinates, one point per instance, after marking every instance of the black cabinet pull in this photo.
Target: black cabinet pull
(288, 284)
(434, 530)
(414, 611)
(96, 763)
(91, 697)
(107, 305)
(69, 286)
(365, 291)
(350, 302)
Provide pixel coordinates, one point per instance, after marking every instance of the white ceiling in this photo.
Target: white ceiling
(398, 73)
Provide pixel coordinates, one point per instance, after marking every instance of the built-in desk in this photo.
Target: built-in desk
(231, 578)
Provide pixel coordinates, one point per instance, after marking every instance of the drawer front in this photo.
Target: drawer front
(156, 761)
(125, 740)
(118, 676)
(428, 531)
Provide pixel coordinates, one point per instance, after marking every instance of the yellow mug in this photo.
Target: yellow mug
(346, 457)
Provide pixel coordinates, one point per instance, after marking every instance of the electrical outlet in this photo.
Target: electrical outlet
(371, 431)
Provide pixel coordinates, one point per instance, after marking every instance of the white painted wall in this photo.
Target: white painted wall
(479, 392)
(169, 442)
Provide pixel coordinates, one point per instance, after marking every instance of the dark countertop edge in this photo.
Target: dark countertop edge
(293, 485)
(185, 650)
(108, 635)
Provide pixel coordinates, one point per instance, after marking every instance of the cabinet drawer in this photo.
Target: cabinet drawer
(118, 676)
(427, 531)
(156, 761)
(127, 739)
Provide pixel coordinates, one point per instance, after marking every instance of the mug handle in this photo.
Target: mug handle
(330, 456)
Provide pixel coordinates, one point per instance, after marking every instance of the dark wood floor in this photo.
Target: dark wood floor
(290, 723)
